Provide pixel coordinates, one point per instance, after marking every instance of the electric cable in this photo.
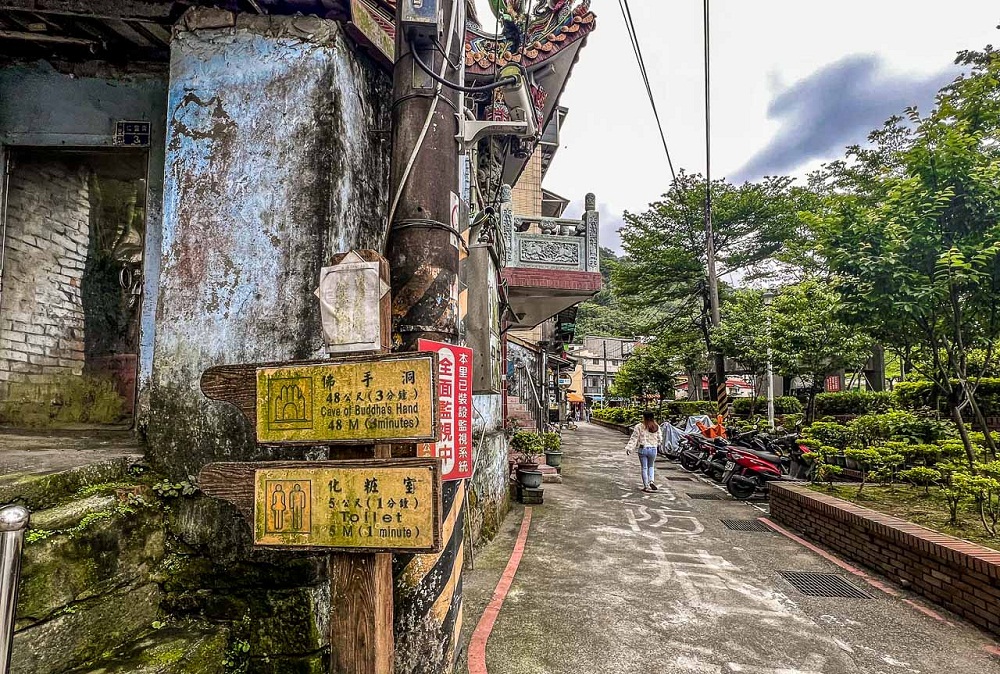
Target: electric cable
(506, 152)
(502, 82)
(427, 125)
(637, 50)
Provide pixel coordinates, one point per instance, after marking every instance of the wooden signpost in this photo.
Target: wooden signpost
(360, 506)
(361, 510)
(333, 402)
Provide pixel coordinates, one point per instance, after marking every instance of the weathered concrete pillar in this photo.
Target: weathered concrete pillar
(276, 160)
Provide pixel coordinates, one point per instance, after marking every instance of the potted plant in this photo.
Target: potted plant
(553, 449)
(528, 446)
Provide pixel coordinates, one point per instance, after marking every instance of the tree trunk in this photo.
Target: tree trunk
(811, 404)
(694, 385)
(956, 415)
(981, 420)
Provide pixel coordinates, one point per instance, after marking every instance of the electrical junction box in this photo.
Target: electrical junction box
(422, 20)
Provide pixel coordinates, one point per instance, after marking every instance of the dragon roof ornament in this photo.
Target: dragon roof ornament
(527, 37)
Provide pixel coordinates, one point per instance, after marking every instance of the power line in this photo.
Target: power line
(634, 38)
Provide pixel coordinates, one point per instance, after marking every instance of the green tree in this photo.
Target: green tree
(745, 335)
(605, 315)
(664, 273)
(913, 234)
(809, 338)
(666, 263)
(650, 369)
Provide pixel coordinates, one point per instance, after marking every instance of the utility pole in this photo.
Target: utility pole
(422, 248)
(423, 254)
(604, 397)
(721, 392)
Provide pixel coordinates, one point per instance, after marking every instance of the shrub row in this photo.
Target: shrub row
(673, 408)
(782, 405)
(919, 393)
(853, 402)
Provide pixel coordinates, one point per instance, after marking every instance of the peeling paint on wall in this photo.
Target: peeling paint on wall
(276, 160)
(489, 490)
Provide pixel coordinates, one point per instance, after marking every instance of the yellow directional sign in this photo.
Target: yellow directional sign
(376, 508)
(388, 398)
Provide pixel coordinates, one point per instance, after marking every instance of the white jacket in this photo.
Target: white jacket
(642, 438)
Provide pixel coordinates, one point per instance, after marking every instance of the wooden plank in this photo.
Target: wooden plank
(238, 386)
(361, 616)
(234, 482)
(163, 12)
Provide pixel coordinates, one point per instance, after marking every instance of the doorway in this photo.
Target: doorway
(72, 231)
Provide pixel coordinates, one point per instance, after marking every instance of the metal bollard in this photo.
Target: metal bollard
(13, 523)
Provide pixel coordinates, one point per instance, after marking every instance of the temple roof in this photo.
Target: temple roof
(547, 35)
(551, 28)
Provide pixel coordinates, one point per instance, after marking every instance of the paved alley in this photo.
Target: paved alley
(615, 581)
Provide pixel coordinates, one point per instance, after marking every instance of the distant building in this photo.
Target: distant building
(738, 388)
(598, 361)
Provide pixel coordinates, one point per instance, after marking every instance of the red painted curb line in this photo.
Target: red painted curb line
(855, 571)
(477, 646)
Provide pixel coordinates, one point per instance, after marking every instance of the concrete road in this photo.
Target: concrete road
(615, 581)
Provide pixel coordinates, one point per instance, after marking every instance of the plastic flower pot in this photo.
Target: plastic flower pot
(532, 479)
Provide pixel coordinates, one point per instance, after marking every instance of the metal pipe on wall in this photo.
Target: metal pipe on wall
(13, 524)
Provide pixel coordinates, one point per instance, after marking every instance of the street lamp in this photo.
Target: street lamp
(768, 298)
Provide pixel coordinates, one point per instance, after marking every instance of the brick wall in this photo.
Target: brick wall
(961, 576)
(527, 193)
(41, 312)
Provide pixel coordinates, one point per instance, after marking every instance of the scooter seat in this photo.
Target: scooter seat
(773, 458)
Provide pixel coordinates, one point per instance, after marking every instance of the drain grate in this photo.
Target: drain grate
(712, 496)
(678, 478)
(746, 525)
(823, 585)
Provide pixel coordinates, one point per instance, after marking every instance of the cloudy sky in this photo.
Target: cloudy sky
(793, 82)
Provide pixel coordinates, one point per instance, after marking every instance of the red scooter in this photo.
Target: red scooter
(750, 472)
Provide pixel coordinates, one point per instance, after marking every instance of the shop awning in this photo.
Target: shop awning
(575, 398)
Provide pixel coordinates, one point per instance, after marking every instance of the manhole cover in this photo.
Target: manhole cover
(746, 525)
(823, 585)
(712, 496)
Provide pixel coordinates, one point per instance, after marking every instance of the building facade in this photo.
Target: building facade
(598, 361)
(176, 174)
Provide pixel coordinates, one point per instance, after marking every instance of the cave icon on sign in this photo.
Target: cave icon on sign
(291, 402)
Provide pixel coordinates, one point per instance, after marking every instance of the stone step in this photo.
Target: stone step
(86, 630)
(85, 549)
(42, 490)
(171, 650)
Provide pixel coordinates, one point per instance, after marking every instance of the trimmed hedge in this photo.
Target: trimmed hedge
(782, 405)
(921, 393)
(673, 408)
(853, 402)
(687, 408)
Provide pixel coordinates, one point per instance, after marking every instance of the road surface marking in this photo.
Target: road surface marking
(477, 646)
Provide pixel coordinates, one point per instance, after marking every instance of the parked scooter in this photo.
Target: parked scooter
(750, 471)
(695, 450)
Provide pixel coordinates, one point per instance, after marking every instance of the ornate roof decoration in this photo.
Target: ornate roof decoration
(553, 25)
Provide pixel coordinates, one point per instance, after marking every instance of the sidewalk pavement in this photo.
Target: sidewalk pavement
(615, 581)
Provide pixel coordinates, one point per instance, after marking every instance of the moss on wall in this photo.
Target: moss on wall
(68, 399)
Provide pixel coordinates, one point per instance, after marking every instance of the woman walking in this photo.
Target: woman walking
(646, 437)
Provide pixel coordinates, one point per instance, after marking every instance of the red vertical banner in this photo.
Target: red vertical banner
(454, 445)
(833, 384)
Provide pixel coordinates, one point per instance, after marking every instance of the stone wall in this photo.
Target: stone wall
(489, 490)
(41, 311)
(58, 104)
(277, 158)
(961, 576)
